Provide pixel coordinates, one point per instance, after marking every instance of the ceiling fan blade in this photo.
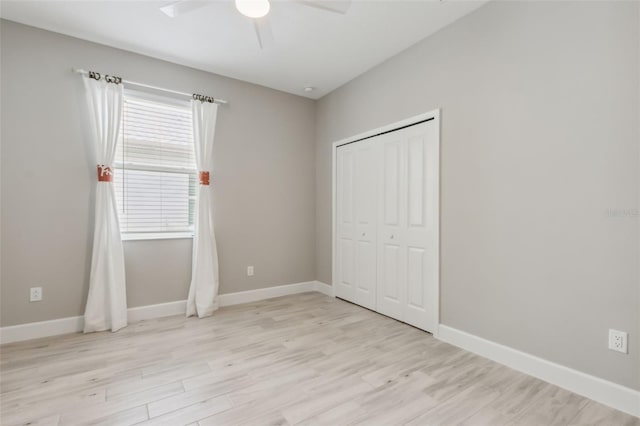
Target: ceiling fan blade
(337, 6)
(181, 7)
(263, 32)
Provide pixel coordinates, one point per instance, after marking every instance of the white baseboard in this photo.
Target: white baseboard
(36, 330)
(323, 288)
(265, 293)
(612, 394)
(141, 313)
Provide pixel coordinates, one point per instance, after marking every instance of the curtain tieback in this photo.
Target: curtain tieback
(105, 174)
(204, 178)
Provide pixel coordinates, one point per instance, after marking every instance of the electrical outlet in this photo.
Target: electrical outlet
(618, 341)
(35, 294)
(250, 271)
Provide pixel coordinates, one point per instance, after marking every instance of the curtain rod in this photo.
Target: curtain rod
(162, 89)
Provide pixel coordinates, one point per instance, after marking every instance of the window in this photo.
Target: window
(155, 173)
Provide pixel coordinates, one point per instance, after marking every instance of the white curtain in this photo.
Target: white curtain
(203, 292)
(107, 301)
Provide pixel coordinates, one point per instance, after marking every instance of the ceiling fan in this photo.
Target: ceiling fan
(257, 10)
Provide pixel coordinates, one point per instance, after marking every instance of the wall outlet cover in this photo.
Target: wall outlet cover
(35, 294)
(618, 341)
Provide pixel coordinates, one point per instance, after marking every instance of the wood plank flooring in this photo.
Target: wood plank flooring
(297, 360)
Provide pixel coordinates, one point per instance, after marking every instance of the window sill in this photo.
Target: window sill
(156, 236)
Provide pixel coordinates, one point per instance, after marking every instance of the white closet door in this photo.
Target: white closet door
(422, 228)
(387, 224)
(357, 218)
(366, 223)
(391, 253)
(408, 229)
(345, 224)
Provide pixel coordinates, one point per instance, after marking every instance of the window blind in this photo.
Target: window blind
(155, 174)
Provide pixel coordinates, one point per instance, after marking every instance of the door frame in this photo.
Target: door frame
(433, 114)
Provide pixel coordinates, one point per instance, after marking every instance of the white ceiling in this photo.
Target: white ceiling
(312, 47)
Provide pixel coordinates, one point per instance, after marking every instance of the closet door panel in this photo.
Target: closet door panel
(366, 219)
(416, 260)
(346, 275)
(345, 227)
(345, 190)
(366, 275)
(391, 175)
(420, 226)
(391, 293)
(391, 279)
(416, 182)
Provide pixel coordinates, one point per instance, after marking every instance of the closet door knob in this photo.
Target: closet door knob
(392, 237)
(364, 233)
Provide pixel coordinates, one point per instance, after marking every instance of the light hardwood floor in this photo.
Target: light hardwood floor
(306, 359)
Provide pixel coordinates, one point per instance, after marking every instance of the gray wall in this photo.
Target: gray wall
(264, 182)
(539, 141)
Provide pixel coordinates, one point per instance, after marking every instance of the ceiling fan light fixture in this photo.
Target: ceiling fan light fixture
(253, 8)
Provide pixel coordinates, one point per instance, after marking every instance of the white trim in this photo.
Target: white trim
(141, 313)
(324, 288)
(435, 114)
(141, 95)
(612, 394)
(144, 236)
(264, 293)
(334, 213)
(36, 330)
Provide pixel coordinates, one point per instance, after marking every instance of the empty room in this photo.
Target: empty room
(320, 212)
